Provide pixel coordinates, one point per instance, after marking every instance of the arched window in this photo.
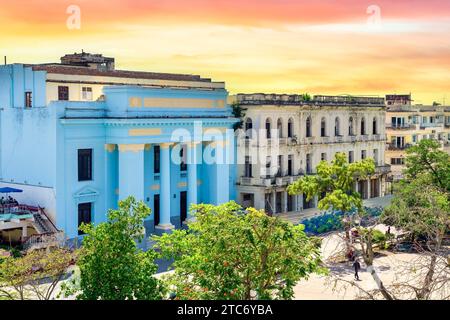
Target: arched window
(248, 128)
(308, 127)
(183, 164)
(268, 128)
(290, 128)
(323, 128)
(350, 126)
(337, 127)
(374, 126)
(280, 128)
(363, 126)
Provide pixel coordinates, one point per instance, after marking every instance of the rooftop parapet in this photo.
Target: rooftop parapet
(296, 99)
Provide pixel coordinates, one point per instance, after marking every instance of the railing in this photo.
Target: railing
(383, 169)
(401, 126)
(309, 140)
(44, 240)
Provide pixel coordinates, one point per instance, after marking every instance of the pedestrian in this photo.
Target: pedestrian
(356, 266)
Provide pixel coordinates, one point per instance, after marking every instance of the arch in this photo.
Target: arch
(248, 127)
(290, 128)
(337, 127)
(280, 128)
(323, 127)
(351, 130)
(268, 128)
(308, 127)
(374, 126)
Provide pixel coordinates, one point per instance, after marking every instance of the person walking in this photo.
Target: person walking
(357, 267)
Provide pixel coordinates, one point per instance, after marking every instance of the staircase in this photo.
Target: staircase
(48, 234)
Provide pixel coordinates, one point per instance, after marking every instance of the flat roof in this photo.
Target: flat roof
(86, 71)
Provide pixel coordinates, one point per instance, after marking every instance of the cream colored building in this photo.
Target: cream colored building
(286, 138)
(407, 124)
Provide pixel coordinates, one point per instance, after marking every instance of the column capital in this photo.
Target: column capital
(193, 144)
(131, 147)
(166, 145)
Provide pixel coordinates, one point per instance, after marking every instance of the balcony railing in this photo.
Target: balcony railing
(401, 126)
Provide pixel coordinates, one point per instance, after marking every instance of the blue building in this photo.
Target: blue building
(78, 136)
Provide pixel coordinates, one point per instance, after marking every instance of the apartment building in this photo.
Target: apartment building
(286, 136)
(407, 124)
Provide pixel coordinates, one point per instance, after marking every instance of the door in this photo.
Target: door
(156, 209)
(84, 215)
(183, 206)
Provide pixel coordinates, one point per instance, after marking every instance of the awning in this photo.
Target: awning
(9, 190)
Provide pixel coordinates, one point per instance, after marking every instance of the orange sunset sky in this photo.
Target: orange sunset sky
(283, 46)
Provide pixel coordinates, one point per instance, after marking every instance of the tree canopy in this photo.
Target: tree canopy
(111, 265)
(230, 254)
(335, 182)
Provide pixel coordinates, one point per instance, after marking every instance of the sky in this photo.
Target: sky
(354, 47)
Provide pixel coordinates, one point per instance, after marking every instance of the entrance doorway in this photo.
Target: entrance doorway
(183, 206)
(156, 209)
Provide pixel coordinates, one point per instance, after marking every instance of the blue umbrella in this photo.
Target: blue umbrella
(10, 190)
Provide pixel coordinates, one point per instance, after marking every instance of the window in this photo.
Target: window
(323, 157)
(248, 128)
(350, 126)
(86, 93)
(363, 154)
(308, 163)
(280, 166)
(351, 157)
(268, 166)
(363, 126)
(28, 100)
(414, 138)
(183, 165)
(268, 129)
(308, 127)
(323, 128)
(375, 156)
(374, 126)
(280, 128)
(397, 161)
(337, 127)
(248, 168)
(84, 164)
(63, 93)
(290, 166)
(84, 215)
(290, 128)
(156, 160)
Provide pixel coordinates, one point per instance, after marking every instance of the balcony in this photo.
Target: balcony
(398, 147)
(383, 169)
(431, 125)
(405, 126)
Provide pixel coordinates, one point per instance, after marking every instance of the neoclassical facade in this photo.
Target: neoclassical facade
(76, 138)
(286, 137)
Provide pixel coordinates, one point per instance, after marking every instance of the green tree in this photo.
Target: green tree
(230, 254)
(111, 265)
(334, 183)
(34, 275)
(426, 158)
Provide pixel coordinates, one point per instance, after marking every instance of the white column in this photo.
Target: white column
(166, 194)
(131, 171)
(192, 175)
(285, 201)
